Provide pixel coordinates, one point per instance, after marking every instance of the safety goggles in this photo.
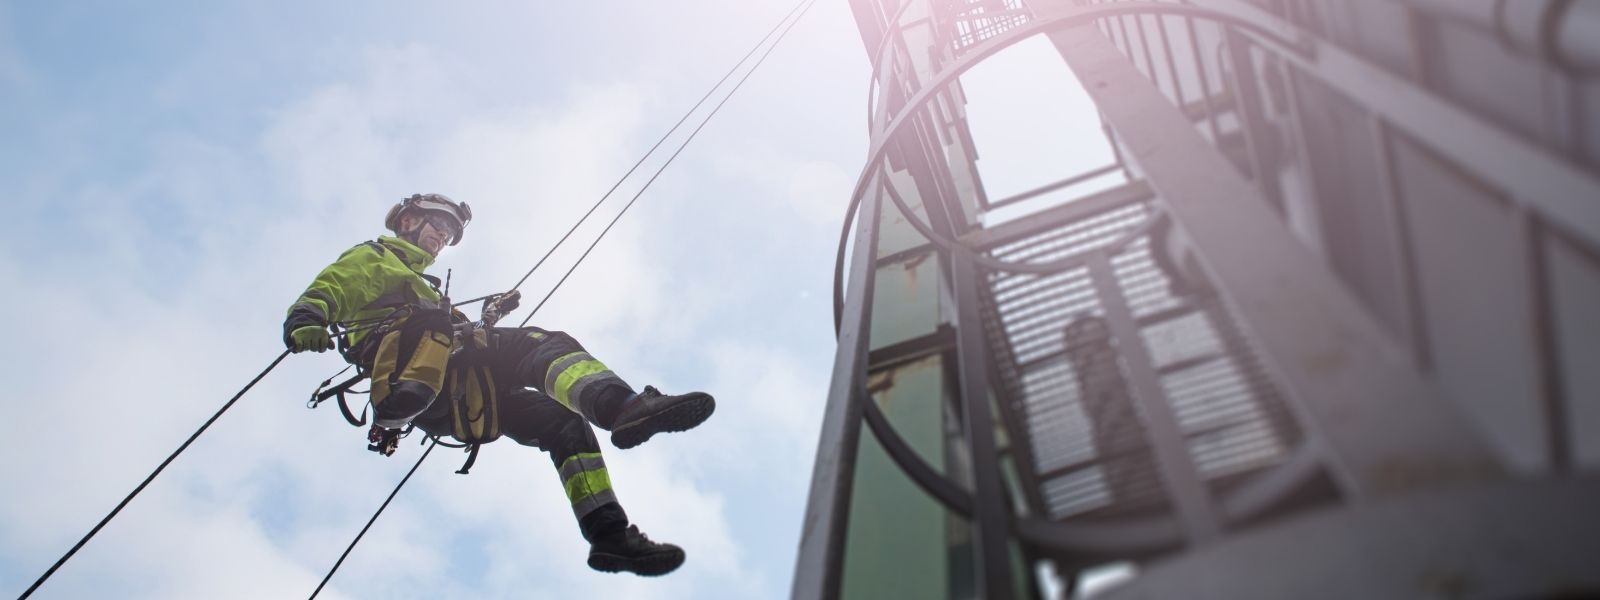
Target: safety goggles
(442, 213)
(443, 223)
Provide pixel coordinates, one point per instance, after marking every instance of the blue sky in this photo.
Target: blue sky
(175, 174)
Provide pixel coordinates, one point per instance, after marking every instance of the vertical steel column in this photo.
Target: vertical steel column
(1172, 63)
(818, 565)
(1413, 322)
(1251, 113)
(1550, 382)
(990, 514)
(1205, 80)
(1184, 487)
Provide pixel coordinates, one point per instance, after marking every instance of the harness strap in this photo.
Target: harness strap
(322, 395)
(472, 458)
(472, 452)
(344, 409)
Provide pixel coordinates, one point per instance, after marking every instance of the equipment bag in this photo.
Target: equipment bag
(472, 392)
(416, 349)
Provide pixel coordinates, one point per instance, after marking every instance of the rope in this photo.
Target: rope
(658, 143)
(807, 4)
(374, 518)
(153, 474)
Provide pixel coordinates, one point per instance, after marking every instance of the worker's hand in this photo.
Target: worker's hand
(504, 303)
(311, 337)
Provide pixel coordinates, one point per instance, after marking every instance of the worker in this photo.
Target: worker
(433, 369)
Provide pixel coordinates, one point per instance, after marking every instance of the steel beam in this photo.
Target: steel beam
(1259, 137)
(1517, 539)
(990, 237)
(1388, 428)
(818, 566)
(1051, 187)
(991, 516)
(1195, 507)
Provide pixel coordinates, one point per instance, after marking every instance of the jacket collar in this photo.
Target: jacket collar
(412, 255)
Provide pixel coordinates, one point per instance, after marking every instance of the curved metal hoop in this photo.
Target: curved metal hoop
(1116, 538)
(923, 474)
(967, 61)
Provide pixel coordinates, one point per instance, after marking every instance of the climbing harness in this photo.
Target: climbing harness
(468, 389)
(470, 448)
(325, 392)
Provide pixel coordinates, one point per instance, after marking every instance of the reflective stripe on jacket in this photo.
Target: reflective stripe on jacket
(367, 283)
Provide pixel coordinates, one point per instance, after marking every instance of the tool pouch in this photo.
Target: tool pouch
(470, 387)
(416, 350)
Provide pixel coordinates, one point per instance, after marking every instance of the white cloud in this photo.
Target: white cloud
(813, 190)
(777, 396)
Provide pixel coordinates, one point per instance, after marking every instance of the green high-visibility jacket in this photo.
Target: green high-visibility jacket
(367, 283)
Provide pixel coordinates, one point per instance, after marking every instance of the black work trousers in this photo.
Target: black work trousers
(510, 362)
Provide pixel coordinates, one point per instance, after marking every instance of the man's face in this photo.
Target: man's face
(436, 231)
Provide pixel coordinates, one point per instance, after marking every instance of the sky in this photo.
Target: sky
(174, 175)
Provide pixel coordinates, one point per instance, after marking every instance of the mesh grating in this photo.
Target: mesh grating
(1068, 380)
(974, 21)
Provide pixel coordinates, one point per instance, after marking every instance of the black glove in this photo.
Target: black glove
(502, 304)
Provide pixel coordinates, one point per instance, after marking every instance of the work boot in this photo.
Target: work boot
(630, 550)
(650, 412)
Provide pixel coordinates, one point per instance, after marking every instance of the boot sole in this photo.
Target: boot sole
(685, 416)
(648, 566)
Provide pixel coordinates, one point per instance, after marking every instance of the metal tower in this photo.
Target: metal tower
(1333, 331)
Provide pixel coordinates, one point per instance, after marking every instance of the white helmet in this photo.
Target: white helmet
(457, 212)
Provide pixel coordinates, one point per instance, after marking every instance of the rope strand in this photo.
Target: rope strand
(374, 519)
(153, 474)
(653, 148)
(807, 4)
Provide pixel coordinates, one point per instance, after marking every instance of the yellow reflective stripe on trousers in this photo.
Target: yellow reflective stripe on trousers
(583, 461)
(560, 364)
(589, 488)
(571, 375)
